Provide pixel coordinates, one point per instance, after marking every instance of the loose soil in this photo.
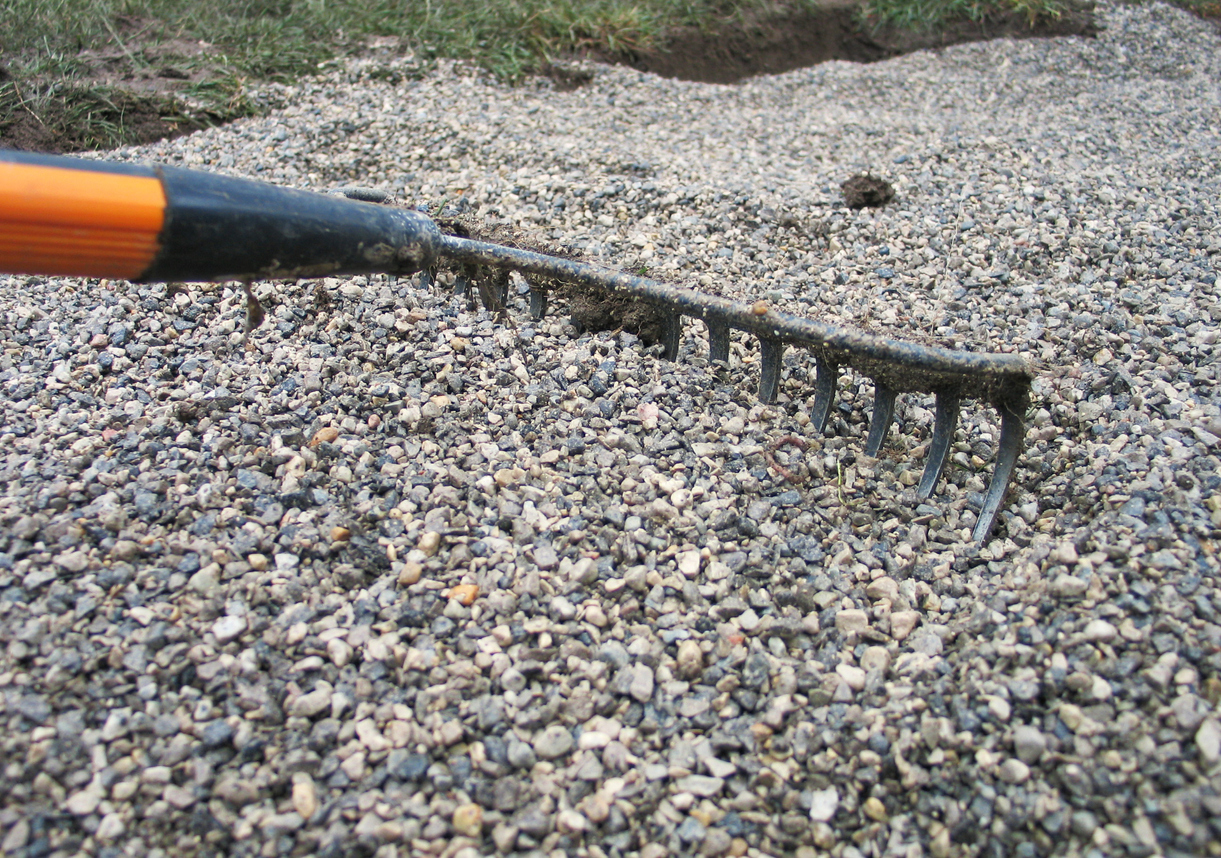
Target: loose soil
(123, 95)
(801, 38)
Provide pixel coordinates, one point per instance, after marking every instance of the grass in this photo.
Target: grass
(63, 62)
(929, 14)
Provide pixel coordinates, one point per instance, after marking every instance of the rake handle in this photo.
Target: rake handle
(72, 217)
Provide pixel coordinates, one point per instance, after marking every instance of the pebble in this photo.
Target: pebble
(227, 629)
(111, 827)
(690, 659)
(701, 786)
(852, 675)
(555, 741)
(304, 795)
(902, 623)
(1100, 631)
(1208, 741)
(1029, 743)
(1013, 771)
(464, 594)
(468, 820)
(823, 804)
(851, 620)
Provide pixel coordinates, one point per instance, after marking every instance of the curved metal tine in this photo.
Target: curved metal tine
(771, 354)
(883, 414)
(939, 450)
(538, 304)
(1007, 451)
(671, 334)
(824, 392)
(718, 342)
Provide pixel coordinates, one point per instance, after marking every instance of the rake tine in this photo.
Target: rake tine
(538, 304)
(824, 392)
(718, 342)
(671, 333)
(770, 352)
(939, 451)
(883, 413)
(1007, 450)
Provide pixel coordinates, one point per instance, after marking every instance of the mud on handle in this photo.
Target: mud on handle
(72, 217)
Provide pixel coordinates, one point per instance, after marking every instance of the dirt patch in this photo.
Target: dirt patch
(865, 191)
(92, 119)
(798, 38)
(127, 95)
(604, 312)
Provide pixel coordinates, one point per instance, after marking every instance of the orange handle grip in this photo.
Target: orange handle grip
(77, 221)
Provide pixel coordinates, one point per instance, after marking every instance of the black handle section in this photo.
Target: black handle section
(218, 227)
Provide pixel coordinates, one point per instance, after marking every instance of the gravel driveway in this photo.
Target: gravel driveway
(404, 579)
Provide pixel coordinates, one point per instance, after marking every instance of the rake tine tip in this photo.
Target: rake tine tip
(671, 334)
(538, 304)
(883, 414)
(1007, 451)
(824, 393)
(771, 354)
(939, 449)
(718, 342)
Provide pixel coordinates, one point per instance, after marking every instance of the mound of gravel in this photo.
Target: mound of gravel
(405, 578)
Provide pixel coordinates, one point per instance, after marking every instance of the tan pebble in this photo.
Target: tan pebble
(340, 534)
(902, 623)
(760, 308)
(374, 421)
(875, 658)
(464, 594)
(468, 820)
(851, 620)
(257, 562)
(594, 615)
(690, 659)
(410, 574)
(325, 435)
(883, 588)
(738, 847)
(388, 832)
(339, 651)
(570, 822)
(506, 477)
(874, 809)
(429, 543)
(305, 795)
(597, 808)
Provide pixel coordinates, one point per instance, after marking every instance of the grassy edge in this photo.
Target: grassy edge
(45, 79)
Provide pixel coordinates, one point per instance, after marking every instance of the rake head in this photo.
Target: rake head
(895, 366)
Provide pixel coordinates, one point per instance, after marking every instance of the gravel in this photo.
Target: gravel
(403, 578)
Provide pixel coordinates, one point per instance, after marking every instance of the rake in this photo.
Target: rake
(71, 217)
